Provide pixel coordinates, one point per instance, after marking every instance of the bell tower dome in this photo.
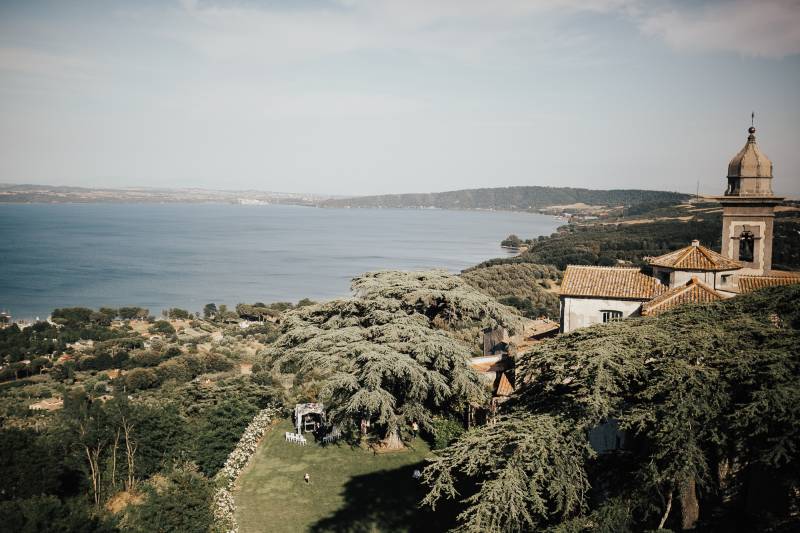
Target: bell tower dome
(750, 171)
(748, 209)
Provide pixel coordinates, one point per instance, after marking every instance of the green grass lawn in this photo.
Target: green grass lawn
(351, 489)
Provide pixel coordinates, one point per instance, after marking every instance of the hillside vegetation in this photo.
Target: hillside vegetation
(707, 399)
(111, 420)
(521, 285)
(605, 243)
(511, 198)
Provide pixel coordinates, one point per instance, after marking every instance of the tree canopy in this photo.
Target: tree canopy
(707, 401)
(387, 356)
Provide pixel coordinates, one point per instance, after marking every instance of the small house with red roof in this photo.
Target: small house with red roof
(596, 294)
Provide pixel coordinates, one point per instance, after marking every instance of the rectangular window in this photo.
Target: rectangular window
(611, 316)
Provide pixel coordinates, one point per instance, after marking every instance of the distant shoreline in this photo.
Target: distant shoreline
(288, 204)
(531, 198)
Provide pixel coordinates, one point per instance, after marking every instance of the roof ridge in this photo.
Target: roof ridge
(666, 298)
(706, 259)
(705, 286)
(712, 255)
(776, 276)
(687, 251)
(751, 283)
(608, 281)
(670, 294)
(504, 386)
(606, 267)
(705, 251)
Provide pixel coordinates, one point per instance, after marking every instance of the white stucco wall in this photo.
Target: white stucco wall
(681, 277)
(582, 312)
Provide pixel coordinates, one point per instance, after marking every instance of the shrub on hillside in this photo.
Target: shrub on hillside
(145, 358)
(179, 501)
(172, 351)
(512, 241)
(221, 428)
(140, 378)
(177, 313)
(215, 362)
(161, 327)
(175, 369)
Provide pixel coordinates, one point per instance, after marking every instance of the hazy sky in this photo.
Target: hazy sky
(361, 97)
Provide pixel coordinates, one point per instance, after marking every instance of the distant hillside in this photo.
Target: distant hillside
(51, 194)
(512, 198)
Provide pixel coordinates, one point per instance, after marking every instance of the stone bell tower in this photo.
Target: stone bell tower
(748, 209)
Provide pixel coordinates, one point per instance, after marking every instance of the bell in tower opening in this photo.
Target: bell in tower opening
(746, 246)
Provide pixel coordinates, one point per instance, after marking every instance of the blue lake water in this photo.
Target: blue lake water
(186, 255)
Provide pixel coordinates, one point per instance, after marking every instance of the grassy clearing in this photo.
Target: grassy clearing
(351, 489)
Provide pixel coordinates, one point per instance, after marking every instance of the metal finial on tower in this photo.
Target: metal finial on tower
(752, 128)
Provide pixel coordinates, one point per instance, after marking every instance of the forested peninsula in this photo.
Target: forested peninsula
(513, 198)
(498, 198)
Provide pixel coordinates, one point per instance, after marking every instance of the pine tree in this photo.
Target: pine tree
(707, 398)
(391, 356)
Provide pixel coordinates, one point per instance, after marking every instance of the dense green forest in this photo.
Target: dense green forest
(702, 407)
(123, 431)
(68, 471)
(512, 198)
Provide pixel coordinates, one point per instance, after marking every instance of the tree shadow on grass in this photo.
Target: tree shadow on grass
(387, 500)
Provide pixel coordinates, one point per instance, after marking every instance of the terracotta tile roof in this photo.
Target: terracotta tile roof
(695, 257)
(754, 283)
(782, 274)
(609, 282)
(693, 291)
(504, 386)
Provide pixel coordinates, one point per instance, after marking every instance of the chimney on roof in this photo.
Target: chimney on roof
(695, 243)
